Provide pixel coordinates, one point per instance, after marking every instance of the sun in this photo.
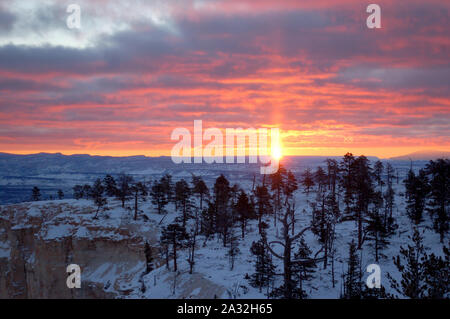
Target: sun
(277, 152)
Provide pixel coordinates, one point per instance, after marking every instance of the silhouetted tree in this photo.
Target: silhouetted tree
(110, 186)
(264, 268)
(176, 236)
(139, 190)
(36, 194)
(124, 191)
(416, 191)
(96, 194)
(307, 180)
(439, 205)
(200, 189)
(158, 196)
(244, 211)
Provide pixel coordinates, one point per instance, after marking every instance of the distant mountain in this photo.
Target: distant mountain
(422, 156)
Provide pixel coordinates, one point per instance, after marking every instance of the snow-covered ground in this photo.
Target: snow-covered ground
(212, 276)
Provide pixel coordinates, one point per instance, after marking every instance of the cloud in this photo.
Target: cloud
(134, 72)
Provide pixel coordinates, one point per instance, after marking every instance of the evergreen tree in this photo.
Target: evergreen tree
(167, 187)
(374, 229)
(233, 247)
(86, 191)
(416, 191)
(332, 174)
(320, 179)
(413, 283)
(352, 279)
(346, 183)
(263, 206)
(78, 192)
(389, 197)
(290, 186)
(307, 180)
(222, 195)
(110, 186)
(378, 173)
(439, 209)
(264, 268)
(363, 192)
(158, 196)
(244, 211)
(175, 236)
(96, 194)
(277, 181)
(437, 270)
(36, 194)
(60, 194)
(182, 198)
(139, 191)
(149, 264)
(303, 271)
(124, 191)
(200, 189)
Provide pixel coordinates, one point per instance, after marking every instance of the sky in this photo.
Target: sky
(136, 70)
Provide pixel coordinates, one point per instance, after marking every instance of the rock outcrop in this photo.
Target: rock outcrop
(39, 240)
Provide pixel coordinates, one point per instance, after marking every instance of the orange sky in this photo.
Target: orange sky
(123, 82)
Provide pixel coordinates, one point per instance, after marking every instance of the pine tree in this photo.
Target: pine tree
(288, 290)
(158, 196)
(86, 191)
(416, 191)
(78, 192)
(60, 194)
(389, 197)
(303, 271)
(346, 183)
(124, 192)
(413, 283)
(139, 191)
(264, 268)
(263, 206)
(378, 173)
(167, 187)
(437, 270)
(290, 186)
(149, 264)
(307, 180)
(244, 211)
(374, 229)
(110, 186)
(233, 247)
(363, 193)
(439, 209)
(332, 174)
(352, 279)
(96, 194)
(36, 194)
(277, 181)
(320, 179)
(200, 189)
(182, 198)
(222, 196)
(175, 236)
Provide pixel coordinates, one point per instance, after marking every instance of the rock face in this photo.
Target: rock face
(39, 240)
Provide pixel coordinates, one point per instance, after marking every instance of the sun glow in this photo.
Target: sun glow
(277, 152)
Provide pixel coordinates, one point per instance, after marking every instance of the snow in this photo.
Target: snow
(212, 274)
